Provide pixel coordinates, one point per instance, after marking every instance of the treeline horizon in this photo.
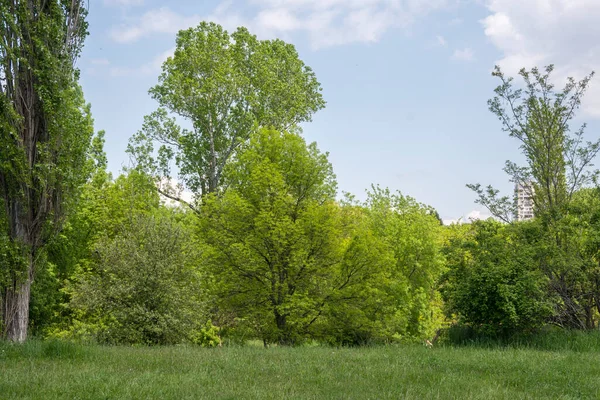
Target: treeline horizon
(266, 249)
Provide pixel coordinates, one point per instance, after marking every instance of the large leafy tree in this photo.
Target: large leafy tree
(45, 131)
(400, 300)
(224, 86)
(278, 250)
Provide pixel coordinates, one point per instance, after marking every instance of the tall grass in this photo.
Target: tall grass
(59, 370)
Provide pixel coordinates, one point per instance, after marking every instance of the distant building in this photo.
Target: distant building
(524, 192)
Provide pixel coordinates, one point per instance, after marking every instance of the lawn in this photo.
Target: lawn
(56, 370)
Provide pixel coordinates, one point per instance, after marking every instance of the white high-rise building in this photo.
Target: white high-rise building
(524, 192)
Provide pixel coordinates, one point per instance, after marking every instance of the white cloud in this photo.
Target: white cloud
(165, 21)
(468, 218)
(465, 54)
(278, 19)
(477, 214)
(452, 221)
(541, 32)
(325, 22)
(123, 3)
(336, 22)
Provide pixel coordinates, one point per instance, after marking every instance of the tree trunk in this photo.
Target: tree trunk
(283, 334)
(16, 311)
(16, 295)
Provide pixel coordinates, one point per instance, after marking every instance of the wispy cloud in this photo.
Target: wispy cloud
(150, 68)
(325, 22)
(466, 54)
(161, 20)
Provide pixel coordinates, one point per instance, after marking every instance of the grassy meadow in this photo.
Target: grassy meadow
(543, 370)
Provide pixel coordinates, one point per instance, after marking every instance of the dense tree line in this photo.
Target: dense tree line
(266, 248)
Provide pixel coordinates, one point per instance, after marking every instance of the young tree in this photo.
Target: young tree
(558, 160)
(224, 86)
(45, 130)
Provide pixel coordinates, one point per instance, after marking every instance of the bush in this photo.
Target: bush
(144, 288)
(207, 336)
(493, 285)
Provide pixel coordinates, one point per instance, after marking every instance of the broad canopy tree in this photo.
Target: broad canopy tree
(278, 252)
(223, 86)
(45, 131)
(290, 262)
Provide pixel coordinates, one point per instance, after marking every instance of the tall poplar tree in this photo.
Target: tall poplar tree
(45, 132)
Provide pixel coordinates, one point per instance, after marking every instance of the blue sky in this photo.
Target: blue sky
(406, 81)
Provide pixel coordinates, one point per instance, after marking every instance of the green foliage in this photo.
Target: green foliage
(493, 284)
(45, 132)
(104, 208)
(558, 165)
(568, 254)
(269, 252)
(412, 233)
(207, 336)
(399, 302)
(225, 85)
(11, 256)
(558, 160)
(279, 251)
(364, 311)
(144, 287)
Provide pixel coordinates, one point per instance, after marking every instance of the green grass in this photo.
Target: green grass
(59, 370)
